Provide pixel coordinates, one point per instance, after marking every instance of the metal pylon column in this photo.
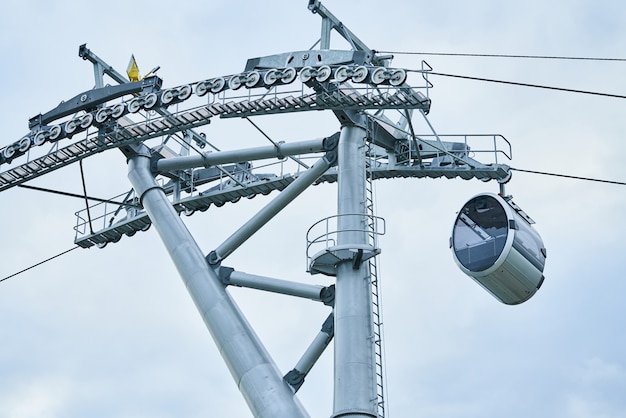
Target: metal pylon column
(355, 393)
(254, 371)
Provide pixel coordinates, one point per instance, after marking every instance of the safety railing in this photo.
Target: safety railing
(451, 148)
(323, 236)
(125, 207)
(103, 215)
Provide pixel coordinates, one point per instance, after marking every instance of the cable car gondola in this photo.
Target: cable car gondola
(493, 241)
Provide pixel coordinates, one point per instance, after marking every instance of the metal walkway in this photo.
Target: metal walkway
(233, 193)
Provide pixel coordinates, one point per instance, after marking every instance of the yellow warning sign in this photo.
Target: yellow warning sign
(133, 70)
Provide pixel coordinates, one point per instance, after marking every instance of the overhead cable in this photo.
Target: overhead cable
(96, 199)
(40, 263)
(539, 86)
(569, 177)
(547, 57)
(297, 160)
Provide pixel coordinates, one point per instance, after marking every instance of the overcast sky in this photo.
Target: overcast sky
(113, 333)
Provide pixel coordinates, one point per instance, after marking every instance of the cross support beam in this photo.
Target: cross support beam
(251, 154)
(292, 191)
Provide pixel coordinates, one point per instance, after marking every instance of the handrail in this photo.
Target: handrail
(328, 238)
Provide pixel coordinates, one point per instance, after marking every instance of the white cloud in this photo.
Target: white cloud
(39, 398)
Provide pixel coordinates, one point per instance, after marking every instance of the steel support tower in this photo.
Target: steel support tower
(358, 86)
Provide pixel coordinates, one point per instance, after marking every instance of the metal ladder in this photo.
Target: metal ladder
(376, 308)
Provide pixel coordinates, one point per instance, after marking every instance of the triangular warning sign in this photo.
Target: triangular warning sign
(133, 70)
